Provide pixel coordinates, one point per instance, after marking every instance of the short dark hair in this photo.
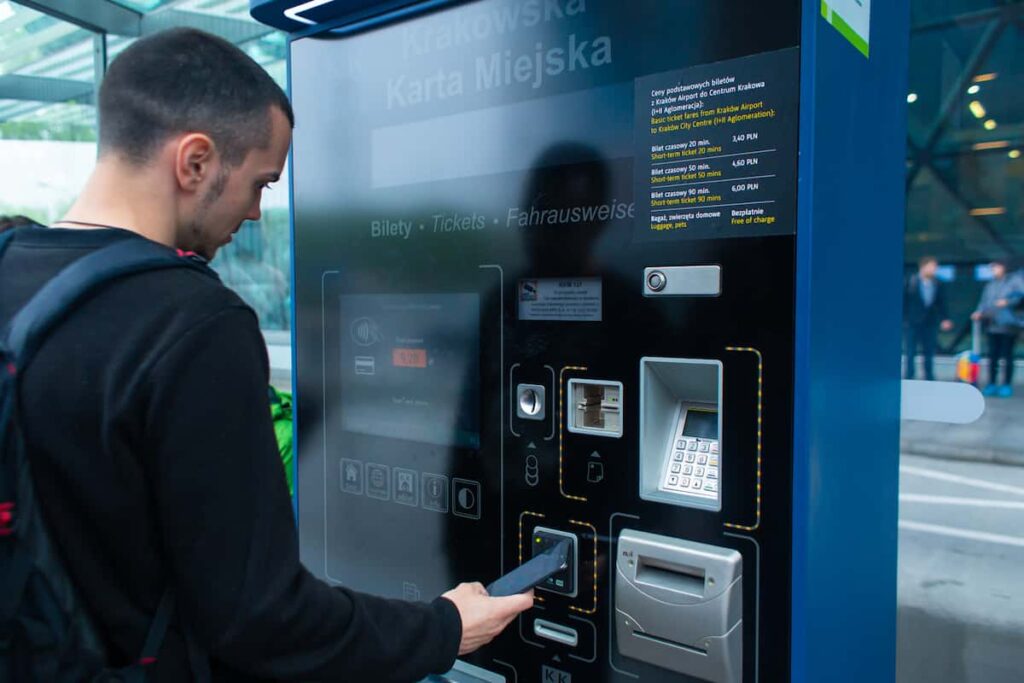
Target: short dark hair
(184, 80)
(925, 260)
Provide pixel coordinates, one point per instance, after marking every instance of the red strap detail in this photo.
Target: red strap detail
(6, 518)
(146, 661)
(186, 254)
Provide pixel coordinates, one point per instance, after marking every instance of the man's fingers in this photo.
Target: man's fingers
(514, 604)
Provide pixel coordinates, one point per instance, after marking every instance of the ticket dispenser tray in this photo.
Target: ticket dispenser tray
(679, 605)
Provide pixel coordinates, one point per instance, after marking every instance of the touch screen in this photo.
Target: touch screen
(410, 367)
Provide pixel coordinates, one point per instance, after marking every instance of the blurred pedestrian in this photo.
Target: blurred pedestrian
(924, 305)
(999, 312)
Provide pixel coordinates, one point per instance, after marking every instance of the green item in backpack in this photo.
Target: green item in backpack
(281, 415)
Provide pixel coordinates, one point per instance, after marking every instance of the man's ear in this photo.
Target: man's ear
(193, 161)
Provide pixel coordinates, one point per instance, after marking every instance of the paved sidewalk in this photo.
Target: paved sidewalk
(997, 436)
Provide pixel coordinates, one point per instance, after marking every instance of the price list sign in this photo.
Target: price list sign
(716, 149)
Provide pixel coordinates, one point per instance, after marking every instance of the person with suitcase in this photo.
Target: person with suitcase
(998, 311)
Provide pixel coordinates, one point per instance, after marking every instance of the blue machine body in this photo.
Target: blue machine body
(840, 384)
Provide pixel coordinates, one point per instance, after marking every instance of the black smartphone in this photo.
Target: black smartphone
(532, 573)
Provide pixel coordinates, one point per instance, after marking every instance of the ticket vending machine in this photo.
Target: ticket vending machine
(618, 273)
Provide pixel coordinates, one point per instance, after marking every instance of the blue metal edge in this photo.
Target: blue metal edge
(849, 271)
(372, 16)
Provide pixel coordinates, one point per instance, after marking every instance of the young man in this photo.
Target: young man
(997, 309)
(145, 411)
(924, 306)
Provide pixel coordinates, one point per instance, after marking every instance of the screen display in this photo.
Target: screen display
(410, 367)
(702, 424)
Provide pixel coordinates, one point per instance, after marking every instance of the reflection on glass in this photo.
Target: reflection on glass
(961, 597)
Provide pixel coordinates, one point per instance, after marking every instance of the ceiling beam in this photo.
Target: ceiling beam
(38, 89)
(954, 96)
(1011, 10)
(108, 17)
(960, 144)
(233, 30)
(97, 15)
(980, 221)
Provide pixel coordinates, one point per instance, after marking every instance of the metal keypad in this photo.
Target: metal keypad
(698, 475)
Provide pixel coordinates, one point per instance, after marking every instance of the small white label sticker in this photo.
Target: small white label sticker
(560, 299)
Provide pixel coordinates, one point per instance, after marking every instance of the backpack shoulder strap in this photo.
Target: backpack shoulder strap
(80, 279)
(6, 237)
(29, 326)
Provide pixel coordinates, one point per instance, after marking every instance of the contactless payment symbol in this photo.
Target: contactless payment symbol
(365, 332)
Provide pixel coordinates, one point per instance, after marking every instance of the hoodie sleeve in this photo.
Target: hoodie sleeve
(228, 528)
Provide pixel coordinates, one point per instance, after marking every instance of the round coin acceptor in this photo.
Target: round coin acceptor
(596, 274)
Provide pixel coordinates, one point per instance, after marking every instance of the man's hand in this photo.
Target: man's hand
(484, 617)
(1002, 303)
(947, 325)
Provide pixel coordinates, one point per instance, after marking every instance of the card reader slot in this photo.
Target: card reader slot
(556, 632)
(661, 574)
(671, 643)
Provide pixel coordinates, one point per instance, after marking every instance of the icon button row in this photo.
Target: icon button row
(409, 487)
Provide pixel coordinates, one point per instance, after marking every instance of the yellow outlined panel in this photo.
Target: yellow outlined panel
(760, 408)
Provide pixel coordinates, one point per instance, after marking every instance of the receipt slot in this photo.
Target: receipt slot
(679, 605)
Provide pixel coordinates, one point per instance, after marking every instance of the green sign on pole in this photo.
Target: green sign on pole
(852, 18)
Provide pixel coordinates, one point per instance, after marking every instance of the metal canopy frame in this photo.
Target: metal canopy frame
(107, 18)
(103, 16)
(1009, 13)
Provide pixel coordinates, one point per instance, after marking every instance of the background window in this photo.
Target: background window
(49, 72)
(961, 593)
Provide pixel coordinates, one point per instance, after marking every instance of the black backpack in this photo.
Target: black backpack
(45, 633)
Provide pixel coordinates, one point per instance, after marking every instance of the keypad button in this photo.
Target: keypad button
(690, 457)
(700, 472)
(688, 469)
(692, 446)
(711, 486)
(704, 447)
(714, 447)
(713, 461)
(681, 445)
(678, 456)
(702, 460)
(677, 468)
(672, 481)
(696, 483)
(712, 474)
